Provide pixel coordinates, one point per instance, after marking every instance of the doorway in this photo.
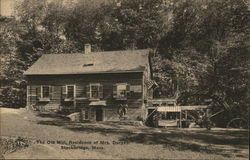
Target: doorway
(99, 114)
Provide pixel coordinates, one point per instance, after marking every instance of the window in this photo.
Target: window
(86, 113)
(45, 92)
(87, 65)
(70, 91)
(120, 90)
(95, 91)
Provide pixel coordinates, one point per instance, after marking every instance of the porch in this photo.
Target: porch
(166, 113)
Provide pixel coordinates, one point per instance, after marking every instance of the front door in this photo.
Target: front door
(99, 114)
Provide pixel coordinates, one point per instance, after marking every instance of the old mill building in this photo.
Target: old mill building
(96, 83)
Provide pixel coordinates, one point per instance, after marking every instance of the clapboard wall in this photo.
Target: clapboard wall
(135, 100)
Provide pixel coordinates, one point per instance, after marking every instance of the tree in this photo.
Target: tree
(23, 41)
(134, 24)
(209, 41)
(11, 72)
(141, 23)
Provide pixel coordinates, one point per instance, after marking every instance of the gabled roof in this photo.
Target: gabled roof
(91, 63)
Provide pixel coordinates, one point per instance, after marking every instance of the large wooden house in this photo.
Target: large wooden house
(95, 83)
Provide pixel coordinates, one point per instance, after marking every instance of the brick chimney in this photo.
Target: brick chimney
(87, 48)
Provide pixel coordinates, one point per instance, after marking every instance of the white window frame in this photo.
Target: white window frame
(90, 90)
(74, 90)
(42, 90)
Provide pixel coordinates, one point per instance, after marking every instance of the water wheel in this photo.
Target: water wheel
(237, 123)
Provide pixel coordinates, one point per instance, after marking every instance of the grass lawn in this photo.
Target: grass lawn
(115, 140)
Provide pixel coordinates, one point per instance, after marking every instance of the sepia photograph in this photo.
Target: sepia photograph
(124, 79)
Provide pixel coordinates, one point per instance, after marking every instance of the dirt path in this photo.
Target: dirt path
(138, 141)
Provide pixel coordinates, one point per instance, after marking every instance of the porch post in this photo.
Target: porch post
(27, 97)
(75, 98)
(180, 118)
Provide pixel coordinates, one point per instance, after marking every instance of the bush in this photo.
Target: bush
(13, 97)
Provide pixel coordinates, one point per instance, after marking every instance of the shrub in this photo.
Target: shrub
(13, 97)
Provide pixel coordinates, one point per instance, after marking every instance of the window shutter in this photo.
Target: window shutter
(51, 90)
(83, 91)
(38, 92)
(88, 91)
(64, 92)
(114, 91)
(127, 89)
(100, 91)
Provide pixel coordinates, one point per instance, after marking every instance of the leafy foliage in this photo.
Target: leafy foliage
(209, 44)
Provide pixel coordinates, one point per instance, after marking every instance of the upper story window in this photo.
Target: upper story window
(120, 90)
(95, 91)
(45, 92)
(68, 92)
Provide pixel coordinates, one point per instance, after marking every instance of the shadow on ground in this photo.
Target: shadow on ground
(220, 142)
